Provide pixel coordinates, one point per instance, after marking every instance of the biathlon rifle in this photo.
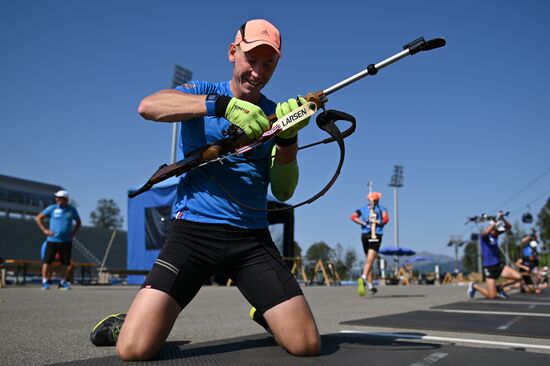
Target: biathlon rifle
(485, 217)
(238, 143)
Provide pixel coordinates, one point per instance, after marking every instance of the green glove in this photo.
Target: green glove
(285, 108)
(248, 117)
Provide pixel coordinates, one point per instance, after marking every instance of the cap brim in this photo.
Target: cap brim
(247, 46)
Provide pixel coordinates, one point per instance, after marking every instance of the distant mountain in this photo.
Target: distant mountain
(426, 261)
(436, 258)
(446, 263)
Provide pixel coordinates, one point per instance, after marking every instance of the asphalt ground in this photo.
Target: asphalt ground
(47, 327)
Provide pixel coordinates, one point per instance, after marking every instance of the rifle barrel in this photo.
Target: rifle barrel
(368, 71)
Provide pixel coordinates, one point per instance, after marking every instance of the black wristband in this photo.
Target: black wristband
(221, 105)
(286, 142)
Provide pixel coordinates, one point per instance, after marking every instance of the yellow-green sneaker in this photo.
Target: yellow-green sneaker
(105, 333)
(361, 286)
(259, 318)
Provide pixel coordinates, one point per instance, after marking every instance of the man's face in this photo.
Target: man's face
(252, 70)
(61, 201)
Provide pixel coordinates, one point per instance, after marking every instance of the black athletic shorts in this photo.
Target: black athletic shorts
(64, 250)
(194, 251)
(526, 277)
(368, 244)
(493, 271)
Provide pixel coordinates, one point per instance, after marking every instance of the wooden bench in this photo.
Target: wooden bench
(105, 274)
(25, 267)
(127, 272)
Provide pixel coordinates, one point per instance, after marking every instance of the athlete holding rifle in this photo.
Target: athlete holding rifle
(493, 268)
(372, 218)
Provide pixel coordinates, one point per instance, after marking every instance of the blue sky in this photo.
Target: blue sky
(468, 122)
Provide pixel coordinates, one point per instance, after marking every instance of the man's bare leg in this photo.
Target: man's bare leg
(294, 328)
(147, 325)
(490, 292)
(45, 270)
(367, 270)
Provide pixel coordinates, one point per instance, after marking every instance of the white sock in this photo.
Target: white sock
(369, 285)
(44, 280)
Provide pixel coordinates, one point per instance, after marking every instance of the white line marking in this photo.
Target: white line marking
(433, 358)
(449, 339)
(516, 302)
(507, 325)
(491, 312)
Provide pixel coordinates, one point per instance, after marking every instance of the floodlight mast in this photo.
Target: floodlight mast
(476, 221)
(396, 182)
(456, 241)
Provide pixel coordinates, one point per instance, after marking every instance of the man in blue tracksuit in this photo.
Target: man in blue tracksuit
(493, 268)
(210, 231)
(64, 223)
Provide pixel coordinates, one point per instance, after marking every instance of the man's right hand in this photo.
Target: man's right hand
(248, 117)
(48, 232)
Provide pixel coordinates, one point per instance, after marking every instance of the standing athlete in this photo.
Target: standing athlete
(64, 224)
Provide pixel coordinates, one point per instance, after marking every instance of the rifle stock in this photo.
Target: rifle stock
(165, 171)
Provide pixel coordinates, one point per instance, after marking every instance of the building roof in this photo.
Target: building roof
(26, 185)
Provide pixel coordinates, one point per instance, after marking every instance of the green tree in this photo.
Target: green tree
(469, 259)
(338, 258)
(297, 249)
(543, 223)
(349, 259)
(106, 215)
(319, 250)
(512, 241)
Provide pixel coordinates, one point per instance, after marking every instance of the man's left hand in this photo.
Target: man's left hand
(285, 108)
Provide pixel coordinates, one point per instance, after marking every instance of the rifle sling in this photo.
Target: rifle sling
(327, 122)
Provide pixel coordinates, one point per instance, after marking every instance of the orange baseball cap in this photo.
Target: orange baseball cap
(374, 196)
(256, 32)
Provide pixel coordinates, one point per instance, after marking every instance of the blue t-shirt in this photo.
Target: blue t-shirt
(490, 254)
(527, 250)
(200, 197)
(61, 222)
(365, 213)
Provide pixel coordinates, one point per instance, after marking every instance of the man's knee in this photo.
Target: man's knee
(306, 346)
(134, 349)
